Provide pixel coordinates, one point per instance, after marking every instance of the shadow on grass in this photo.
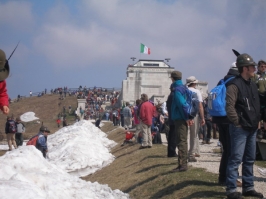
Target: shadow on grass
(198, 194)
(157, 165)
(153, 156)
(172, 188)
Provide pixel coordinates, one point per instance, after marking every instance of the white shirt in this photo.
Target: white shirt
(198, 93)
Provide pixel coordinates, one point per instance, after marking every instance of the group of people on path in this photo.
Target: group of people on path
(237, 130)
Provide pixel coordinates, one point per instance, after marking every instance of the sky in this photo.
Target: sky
(58, 175)
(90, 42)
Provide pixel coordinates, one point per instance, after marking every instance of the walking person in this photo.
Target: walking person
(243, 111)
(20, 131)
(11, 129)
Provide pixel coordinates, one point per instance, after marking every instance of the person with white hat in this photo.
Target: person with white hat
(4, 72)
(194, 151)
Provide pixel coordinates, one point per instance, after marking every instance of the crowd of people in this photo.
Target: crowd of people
(238, 129)
(245, 107)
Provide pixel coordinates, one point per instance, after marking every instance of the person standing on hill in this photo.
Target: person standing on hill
(11, 129)
(4, 72)
(224, 135)
(181, 121)
(243, 111)
(127, 116)
(194, 150)
(136, 119)
(19, 134)
(260, 79)
(146, 113)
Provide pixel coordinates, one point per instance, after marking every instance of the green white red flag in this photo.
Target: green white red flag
(144, 49)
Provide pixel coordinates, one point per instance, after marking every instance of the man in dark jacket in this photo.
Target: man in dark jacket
(10, 130)
(172, 136)
(243, 111)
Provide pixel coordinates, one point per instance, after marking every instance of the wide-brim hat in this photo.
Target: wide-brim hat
(4, 66)
(191, 80)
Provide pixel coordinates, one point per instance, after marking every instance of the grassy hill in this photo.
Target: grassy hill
(46, 108)
(141, 173)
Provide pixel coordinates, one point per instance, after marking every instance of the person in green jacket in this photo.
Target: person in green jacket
(260, 80)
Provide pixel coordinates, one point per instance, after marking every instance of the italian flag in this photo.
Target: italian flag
(144, 49)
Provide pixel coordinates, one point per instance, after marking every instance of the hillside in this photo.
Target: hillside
(46, 108)
(141, 173)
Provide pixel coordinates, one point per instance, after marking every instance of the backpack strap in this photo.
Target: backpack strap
(228, 79)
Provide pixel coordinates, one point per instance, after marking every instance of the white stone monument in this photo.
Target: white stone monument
(151, 77)
(81, 103)
(147, 76)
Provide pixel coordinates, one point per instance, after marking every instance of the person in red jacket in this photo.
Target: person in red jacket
(146, 113)
(4, 72)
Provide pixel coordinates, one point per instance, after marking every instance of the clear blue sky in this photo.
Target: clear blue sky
(90, 42)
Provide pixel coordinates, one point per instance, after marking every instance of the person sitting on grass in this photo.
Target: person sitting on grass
(129, 136)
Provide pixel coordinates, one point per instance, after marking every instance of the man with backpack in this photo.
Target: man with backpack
(40, 140)
(194, 150)
(243, 111)
(181, 120)
(223, 125)
(11, 129)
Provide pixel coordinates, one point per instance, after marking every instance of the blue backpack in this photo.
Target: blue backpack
(191, 107)
(216, 99)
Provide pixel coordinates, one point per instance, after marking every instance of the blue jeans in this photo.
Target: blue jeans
(243, 149)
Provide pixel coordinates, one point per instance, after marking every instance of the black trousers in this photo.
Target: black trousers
(224, 138)
(171, 149)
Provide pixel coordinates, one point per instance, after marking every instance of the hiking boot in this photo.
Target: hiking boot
(235, 195)
(203, 142)
(149, 146)
(253, 193)
(176, 169)
(179, 169)
(208, 142)
(192, 159)
(197, 155)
